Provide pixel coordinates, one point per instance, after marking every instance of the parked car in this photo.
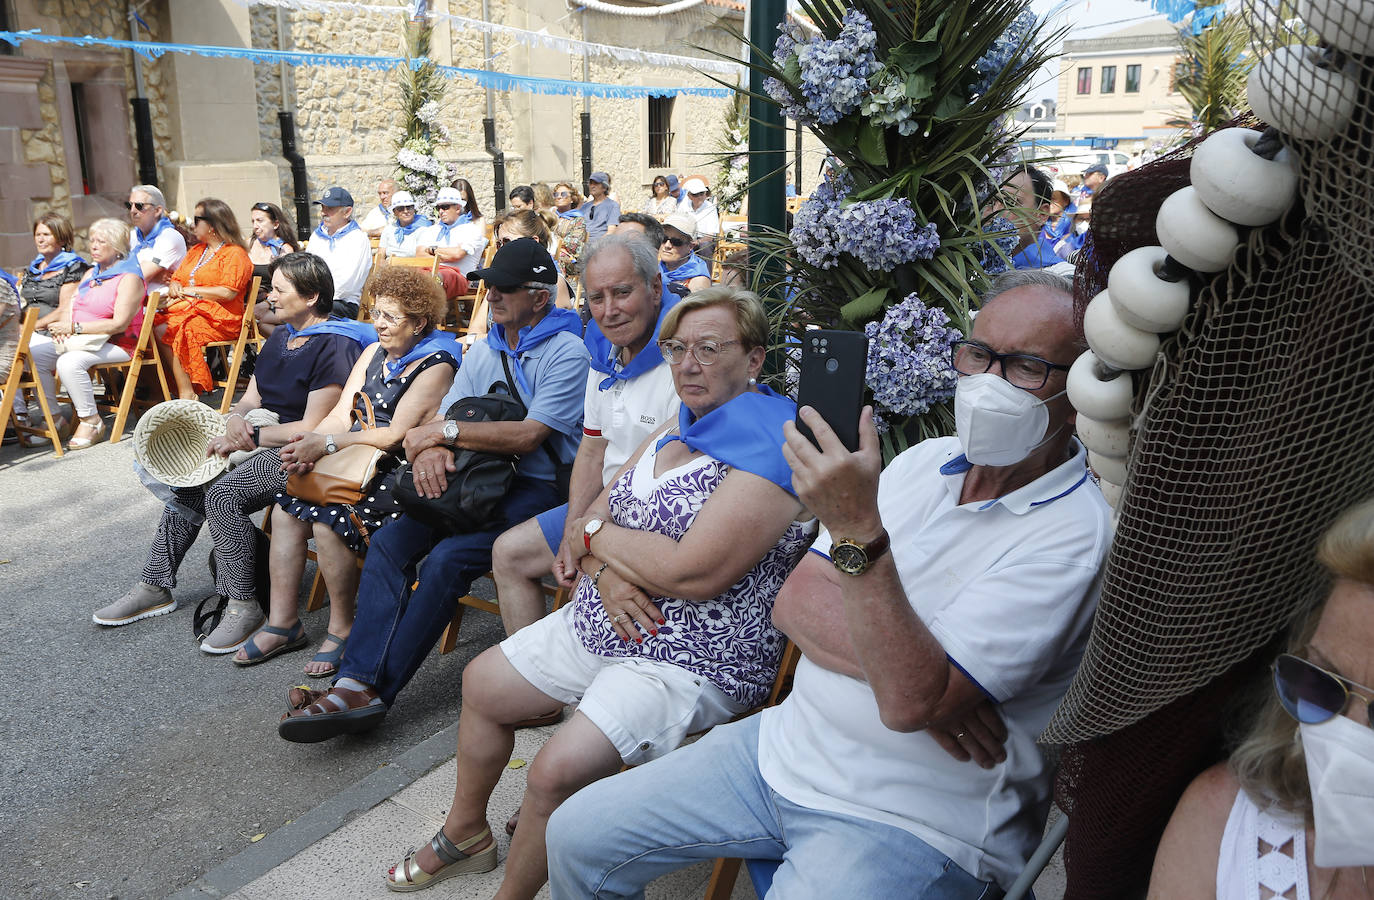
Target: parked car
(1075, 160)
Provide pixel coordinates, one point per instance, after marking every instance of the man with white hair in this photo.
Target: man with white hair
(380, 216)
(344, 248)
(154, 240)
(458, 243)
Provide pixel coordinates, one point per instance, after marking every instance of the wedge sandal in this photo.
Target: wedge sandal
(407, 875)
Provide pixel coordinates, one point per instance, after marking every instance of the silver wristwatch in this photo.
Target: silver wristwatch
(451, 433)
(329, 445)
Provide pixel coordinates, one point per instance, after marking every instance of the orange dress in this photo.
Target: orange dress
(194, 322)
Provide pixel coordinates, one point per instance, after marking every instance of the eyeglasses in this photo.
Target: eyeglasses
(402, 208)
(1313, 695)
(134, 204)
(385, 318)
(263, 207)
(562, 194)
(705, 352)
(676, 242)
(1026, 372)
(198, 219)
(660, 184)
(443, 206)
(503, 241)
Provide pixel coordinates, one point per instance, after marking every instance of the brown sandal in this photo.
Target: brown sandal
(339, 711)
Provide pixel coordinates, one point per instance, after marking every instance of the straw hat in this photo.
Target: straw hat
(171, 439)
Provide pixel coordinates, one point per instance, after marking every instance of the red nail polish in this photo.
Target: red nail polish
(639, 640)
(653, 632)
(663, 621)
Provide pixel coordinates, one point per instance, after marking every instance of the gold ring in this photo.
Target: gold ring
(620, 618)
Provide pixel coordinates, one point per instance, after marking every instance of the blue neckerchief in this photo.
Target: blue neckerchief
(444, 232)
(571, 214)
(431, 343)
(646, 360)
(361, 332)
(1039, 255)
(331, 238)
(745, 433)
(1075, 241)
(465, 217)
(1054, 231)
(126, 266)
(145, 242)
(404, 231)
(386, 211)
(13, 282)
(275, 244)
(531, 336)
(60, 261)
(691, 267)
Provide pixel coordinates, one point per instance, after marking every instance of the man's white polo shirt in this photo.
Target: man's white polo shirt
(349, 258)
(1008, 587)
(627, 412)
(468, 235)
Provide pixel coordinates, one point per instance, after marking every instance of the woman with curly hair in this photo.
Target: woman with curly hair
(404, 376)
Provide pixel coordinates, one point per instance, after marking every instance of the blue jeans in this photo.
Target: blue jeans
(395, 628)
(708, 800)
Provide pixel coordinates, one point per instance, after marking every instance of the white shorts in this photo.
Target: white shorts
(644, 707)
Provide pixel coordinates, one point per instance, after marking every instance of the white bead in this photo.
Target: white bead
(1344, 24)
(1193, 234)
(1290, 91)
(1119, 345)
(1236, 184)
(1106, 401)
(1111, 492)
(1108, 468)
(1104, 438)
(1143, 299)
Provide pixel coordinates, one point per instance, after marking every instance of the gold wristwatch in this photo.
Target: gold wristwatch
(853, 558)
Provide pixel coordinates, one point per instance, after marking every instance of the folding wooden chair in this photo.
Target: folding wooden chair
(732, 225)
(794, 204)
(722, 253)
(417, 262)
(235, 349)
(144, 356)
(449, 639)
(17, 381)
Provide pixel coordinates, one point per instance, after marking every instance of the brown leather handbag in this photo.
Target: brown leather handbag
(343, 477)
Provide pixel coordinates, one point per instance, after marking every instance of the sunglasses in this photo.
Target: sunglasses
(198, 219)
(136, 205)
(562, 194)
(676, 242)
(402, 208)
(1313, 695)
(443, 206)
(263, 208)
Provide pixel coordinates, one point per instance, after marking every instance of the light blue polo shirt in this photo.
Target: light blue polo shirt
(556, 371)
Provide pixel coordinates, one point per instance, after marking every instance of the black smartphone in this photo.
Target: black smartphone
(833, 366)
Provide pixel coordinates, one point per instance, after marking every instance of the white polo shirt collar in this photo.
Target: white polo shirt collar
(1060, 481)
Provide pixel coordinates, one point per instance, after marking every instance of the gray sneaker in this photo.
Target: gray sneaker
(143, 602)
(241, 619)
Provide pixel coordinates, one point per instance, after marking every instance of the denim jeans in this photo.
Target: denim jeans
(708, 800)
(394, 628)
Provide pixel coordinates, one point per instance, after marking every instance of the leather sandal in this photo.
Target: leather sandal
(408, 876)
(302, 695)
(82, 443)
(333, 657)
(340, 711)
(295, 639)
(514, 821)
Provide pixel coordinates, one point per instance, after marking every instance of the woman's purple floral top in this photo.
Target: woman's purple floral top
(729, 639)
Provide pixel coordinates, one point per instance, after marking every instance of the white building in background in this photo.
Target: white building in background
(1121, 85)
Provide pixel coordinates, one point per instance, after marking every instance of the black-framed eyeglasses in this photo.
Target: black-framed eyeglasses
(198, 219)
(444, 206)
(676, 242)
(1026, 372)
(402, 208)
(1311, 694)
(134, 204)
(706, 352)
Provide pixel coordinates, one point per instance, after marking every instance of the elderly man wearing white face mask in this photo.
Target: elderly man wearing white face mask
(941, 612)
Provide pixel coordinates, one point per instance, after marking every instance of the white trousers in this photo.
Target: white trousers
(74, 369)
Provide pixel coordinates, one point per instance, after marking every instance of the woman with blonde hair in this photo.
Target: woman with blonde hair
(100, 327)
(571, 230)
(205, 297)
(1292, 814)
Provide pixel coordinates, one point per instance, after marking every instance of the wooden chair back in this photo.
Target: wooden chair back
(144, 355)
(794, 204)
(416, 262)
(235, 349)
(17, 380)
(722, 253)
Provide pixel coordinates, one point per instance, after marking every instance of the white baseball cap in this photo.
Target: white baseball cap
(694, 186)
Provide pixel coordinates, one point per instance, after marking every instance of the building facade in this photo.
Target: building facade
(68, 141)
(1120, 85)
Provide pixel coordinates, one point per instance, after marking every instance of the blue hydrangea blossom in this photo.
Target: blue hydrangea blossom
(999, 56)
(909, 367)
(834, 74)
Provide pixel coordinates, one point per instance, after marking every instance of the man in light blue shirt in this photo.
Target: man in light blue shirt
(395, 626)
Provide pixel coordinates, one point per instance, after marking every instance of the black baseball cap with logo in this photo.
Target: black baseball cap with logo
(519, 262)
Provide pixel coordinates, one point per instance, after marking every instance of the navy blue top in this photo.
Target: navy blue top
(286, 377)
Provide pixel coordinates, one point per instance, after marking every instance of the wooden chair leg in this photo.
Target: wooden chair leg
(723, 877)
(449, 639)
(318, 592)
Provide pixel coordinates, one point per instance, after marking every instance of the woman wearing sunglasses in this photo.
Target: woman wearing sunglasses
(660, 204)
(273, 237)
(205, 297)
(571, 230)
(1294, 808)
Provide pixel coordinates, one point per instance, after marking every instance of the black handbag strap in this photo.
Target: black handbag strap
(514, 389)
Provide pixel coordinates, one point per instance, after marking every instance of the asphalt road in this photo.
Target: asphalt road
(133, 762)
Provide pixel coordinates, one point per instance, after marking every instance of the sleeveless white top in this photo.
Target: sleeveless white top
(1262, 848)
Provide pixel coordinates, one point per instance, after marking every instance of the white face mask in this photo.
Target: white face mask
(999, 424)
(1080, 227)
(1340, 773)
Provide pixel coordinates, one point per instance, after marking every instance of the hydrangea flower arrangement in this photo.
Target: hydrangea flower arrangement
(909, 99)
(422, 92)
